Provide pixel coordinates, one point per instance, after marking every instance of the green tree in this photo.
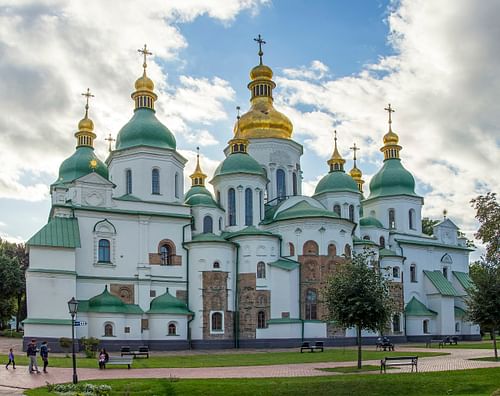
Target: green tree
(427, 225)
(483, 298)
(488, 215)
(10, 282)
(358, 296)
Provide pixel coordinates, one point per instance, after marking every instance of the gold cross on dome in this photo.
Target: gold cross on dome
(260, 41)
(354, 148)
(390, 110)
(144, 51)
(110, 139)
(88, 95)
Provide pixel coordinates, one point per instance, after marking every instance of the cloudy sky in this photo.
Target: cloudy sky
(337, 65)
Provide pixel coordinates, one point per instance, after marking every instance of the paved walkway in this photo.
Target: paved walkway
(21, 379)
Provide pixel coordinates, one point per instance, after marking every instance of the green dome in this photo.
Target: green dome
(200, 199)
(392, 179)
(197, 190)
(79, 164)
(370, 222)
(239, 163)
(106, 302)
(144, 129)
(336, 181)
(168, 304)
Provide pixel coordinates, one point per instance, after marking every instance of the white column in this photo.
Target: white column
(240, 206)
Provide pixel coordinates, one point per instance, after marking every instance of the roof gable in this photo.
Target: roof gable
(58, 232)
(443, 285)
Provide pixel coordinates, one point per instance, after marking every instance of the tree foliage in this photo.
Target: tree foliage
(483, 299)
(427, 225)
(358, 296)
(10, 283)
(488, 215)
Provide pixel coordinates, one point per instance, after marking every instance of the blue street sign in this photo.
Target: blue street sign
(80, 323)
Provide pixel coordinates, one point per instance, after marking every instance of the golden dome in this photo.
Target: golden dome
(336, 161)
(356, 173)
(390, 137)
(86, 124)
(144, 83)
(261, 71)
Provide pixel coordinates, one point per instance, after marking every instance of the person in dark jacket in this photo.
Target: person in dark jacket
(44, 353)
(31, 352)
(103, 358)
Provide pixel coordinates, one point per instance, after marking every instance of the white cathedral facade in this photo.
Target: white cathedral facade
(151, 264)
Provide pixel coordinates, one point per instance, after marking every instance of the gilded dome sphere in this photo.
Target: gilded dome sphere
(86, 124)
(355, 173)
(261, 71)
(144, 83)
(391, 138)
(263, 121)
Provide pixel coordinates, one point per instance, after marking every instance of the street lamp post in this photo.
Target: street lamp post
(73, 308)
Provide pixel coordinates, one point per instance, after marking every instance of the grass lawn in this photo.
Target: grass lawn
(463, 345)
(487, 359)
(353, 369)
(478, 382)
(232, 359)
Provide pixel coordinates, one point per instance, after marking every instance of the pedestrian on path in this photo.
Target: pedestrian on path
(44, 353)
(31, 352)
(11, 360)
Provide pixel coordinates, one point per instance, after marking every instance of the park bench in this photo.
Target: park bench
(385, 345)
(399, 361)
(438, 341)
(309, 346)
(117, 360)
(142, 351)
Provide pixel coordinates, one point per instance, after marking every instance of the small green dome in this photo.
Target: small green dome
(168, 304)
(144, 129)
(239, 163)
(336, 181)
(81, 163)
(392, 179)
(370, 221)
(200, 199)
(106, 302)
(196, 190)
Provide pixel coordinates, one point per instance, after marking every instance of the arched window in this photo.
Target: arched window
(261, 270)
(216, 265)
(165, 254)
(425, 326)
(231, 206)
(155, 181)
(366, 237)
(294, 183)
(336, 209)
(248, 207)
(281, 183)
(216, 321)
(351, 212)
(218, 196)
(261, 206)
(445, 272)
(208, 225)
(382, 242)
(457, 327)
(395, 272)
(411, 219)
(347, 250)
(332, 249)
(176, 185)
(292, 248)
(172, 329)
(310, 247)
(311, 304)
(261, 320)
(220, 223)
(128, 181)
(104, 251)
(392, 218)
(396, 323)
(413, 273)
(108, 330)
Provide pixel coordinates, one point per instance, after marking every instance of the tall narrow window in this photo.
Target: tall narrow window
(231, 206)
(208, 224)
(395, 272)
(425, 326)
(351, 212)
(411, 219)
(248, 207)
(108, 330)
(382, 242)
(220, 223)
(216, 321)
(172, 329)
(336, 209)
(261, 204)
(218, 197)
(294, 183)
(104, 251)
(165, 255)
(292, 248)
(413, 273)
(392, 218)
(261, 320)
(128, 181)
(155, 181)
(445, 272)
(281, 183)
(176, 185)
(261, 270)
(311, 304)
(396, 324)
(332, 249)
(347, 250)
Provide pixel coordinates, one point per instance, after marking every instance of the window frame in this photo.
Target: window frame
(261, 270)
(248, 206)
(231, 206)
(155, 181)
(106, 250)
(213, 323)
(311, 304)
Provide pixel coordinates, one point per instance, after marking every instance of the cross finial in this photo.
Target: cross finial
(260, 41)
(110, 140)
(335, 137)
(88, 95)
(198, 153)
(354, 148)
(390, 110)
(445, 212)
(144, 51)
(238, 108)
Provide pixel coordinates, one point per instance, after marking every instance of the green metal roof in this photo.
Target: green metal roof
(284, 264)
(248, 231)
(239, 163)
(283, 321)
(201, 200)
(387, 253)
(78, 165)
(443, 285)
(392, 179)
(108, 303)
(464, 279)
(336, 181)
(128, 197)
(460, 312)
(300, 210)
(208, 237)
(370, 221)
(144, 129)
(432, 243)
(44, 321)
(416, 308)
(168, 304)
(197, 190)
(58, 232)
(360, 241)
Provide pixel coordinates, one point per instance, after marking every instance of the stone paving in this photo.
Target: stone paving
(13, 381)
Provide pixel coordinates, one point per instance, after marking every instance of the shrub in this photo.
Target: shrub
(90, 346)
(65, 344)
(79, 389)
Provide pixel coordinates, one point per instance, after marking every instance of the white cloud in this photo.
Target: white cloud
(316, 71)
(444, 84)
(201, 138)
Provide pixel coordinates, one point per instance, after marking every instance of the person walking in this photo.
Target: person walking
(44, 353)
(31, 352)
(11, 360)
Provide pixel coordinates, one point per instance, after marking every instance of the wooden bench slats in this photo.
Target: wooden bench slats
(399, 361)
(308, 345)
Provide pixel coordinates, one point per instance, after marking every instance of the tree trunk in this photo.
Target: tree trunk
(494, 332)
(19, 309)
(358, 335)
